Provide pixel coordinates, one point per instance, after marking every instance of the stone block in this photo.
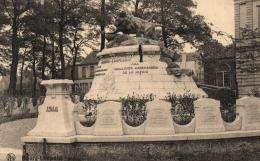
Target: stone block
(208, 116)
(159, 119)
(249, 109)
(129, 130)
(189, 128)
(109, 120)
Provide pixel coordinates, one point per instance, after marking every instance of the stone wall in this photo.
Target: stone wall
(238, 149)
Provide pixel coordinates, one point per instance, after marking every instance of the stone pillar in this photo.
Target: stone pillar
(56, 113)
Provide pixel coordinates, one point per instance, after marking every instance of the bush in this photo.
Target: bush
(134, 109)
(227, 100)
(90, 111)
(182, 107)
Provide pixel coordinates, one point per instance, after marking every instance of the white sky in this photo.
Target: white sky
(219, 12)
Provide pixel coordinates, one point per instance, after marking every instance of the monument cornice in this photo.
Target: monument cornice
(129, 49)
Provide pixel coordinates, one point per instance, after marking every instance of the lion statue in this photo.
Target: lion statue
(128, 24)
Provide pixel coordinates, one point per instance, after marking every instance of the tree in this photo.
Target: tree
(80, 40)
(179, 24)
(67, 11)
(102, 15)
(15, 10)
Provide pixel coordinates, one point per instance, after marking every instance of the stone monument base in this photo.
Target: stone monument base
(235, 146)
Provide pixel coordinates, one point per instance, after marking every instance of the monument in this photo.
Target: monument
(139, 65)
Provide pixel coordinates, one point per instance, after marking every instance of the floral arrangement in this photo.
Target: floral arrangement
(89, 110)
(134, 109)
(182, 107)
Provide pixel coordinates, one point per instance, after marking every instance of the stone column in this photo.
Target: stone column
(56, 113)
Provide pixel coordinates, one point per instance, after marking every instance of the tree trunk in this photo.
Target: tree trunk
(74, 63)
(164, 33)
(136, 8)
(75, 53)
(21, 79)
(53, 57)
(235, 64)
(103, 25)
(44, 57)
(61, 34)
(15, 56)
(34, 72)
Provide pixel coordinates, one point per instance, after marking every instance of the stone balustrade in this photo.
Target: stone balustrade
(62, 121)
(159, 120)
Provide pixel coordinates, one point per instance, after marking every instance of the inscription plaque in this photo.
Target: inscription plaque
(109, 120)
(208, 116)
(159, 118)
(250, 113)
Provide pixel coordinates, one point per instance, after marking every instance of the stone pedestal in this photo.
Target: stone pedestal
(121, 73)
(56, 113)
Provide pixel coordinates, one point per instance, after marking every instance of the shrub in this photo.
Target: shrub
(227, 100)
(182, 107)
(90, 111)
(134, 109)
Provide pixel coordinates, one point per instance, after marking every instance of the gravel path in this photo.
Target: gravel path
(11, 132)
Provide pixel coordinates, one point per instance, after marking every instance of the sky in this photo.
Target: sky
(219, 12)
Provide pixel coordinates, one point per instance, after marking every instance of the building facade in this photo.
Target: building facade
(247, 27)
(84, 74)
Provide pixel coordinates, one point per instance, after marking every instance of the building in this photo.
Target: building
(247, 27)
(220, 70)
(84, 74)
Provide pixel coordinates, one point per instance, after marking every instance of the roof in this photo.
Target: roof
(90, 59)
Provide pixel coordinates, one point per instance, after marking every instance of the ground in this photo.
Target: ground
(11, 132)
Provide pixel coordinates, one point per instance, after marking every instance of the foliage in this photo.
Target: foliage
(9, 103)
(15, 10)
(179, 23)
(182, 107)
(89, 110)
(254, 92)
(134, 108)
(102, 15)
(227, 100)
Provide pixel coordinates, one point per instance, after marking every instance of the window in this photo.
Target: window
(92, 71)
(242, 16)
(223, 76)
(84, 72)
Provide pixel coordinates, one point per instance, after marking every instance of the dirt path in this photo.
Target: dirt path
(11, 132)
